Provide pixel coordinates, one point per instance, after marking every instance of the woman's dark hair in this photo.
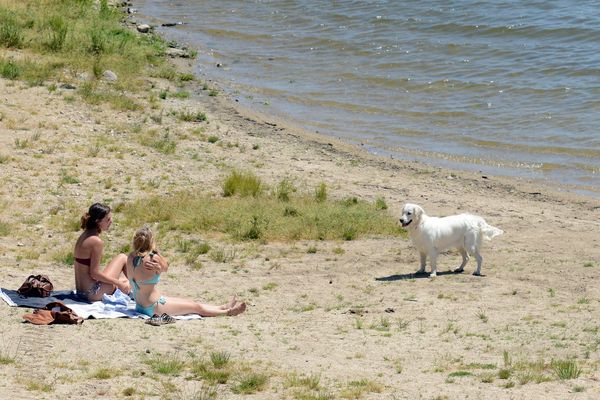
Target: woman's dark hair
(96, 212)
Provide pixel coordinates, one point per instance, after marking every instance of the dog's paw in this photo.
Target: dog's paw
(476, 273)
(459, 270)
(433, 275)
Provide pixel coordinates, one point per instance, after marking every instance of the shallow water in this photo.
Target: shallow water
(509, 88)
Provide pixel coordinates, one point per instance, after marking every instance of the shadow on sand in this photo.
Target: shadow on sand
(415, 275)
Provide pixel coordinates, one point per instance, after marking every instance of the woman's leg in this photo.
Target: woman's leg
(114, 268)
(178, 306)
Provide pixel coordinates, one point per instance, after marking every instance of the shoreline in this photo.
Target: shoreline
(439, 161)
(327, 319)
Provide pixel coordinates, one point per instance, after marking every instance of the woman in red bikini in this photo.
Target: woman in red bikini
(92, 282)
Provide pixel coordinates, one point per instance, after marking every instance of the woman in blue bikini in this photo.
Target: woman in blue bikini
(90, 281)
(143, 281)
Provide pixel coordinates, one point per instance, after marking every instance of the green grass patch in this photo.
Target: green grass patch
(166, 365)
(5, 228)
(262, 217)
(243, 184)
(191, 116)
(104, 373)
(566, 369)
(163, 143)
(251, 383)
(75, 36)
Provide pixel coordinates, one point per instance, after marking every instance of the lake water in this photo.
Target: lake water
(506, 87)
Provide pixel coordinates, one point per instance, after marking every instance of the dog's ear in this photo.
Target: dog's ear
(418, 212)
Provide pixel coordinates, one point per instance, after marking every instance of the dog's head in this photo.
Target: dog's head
(411, 214)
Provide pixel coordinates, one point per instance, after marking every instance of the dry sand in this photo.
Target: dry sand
(354, 319)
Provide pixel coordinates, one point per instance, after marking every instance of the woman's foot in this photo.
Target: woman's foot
(231, 303)
(237, 309)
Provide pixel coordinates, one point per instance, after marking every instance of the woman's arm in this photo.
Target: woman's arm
(97, 248)
(156, 263)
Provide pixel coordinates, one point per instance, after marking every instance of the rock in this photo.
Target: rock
(110, 76)
(143, 28)
(171, 52)
(68, 86)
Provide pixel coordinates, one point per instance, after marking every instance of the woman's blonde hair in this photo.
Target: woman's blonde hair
(143, 241)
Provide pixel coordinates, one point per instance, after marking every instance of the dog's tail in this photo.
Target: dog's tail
(489, 232)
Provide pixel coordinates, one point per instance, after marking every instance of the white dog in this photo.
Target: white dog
(432, 235)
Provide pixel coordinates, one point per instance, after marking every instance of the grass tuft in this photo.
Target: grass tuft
(243, 184)
(566, 369)
(251, 383)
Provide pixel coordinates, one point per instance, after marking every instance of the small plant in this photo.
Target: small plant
(212, 139)
(190, 116)
(104, 373)
(349, 233)
(255, 231)
(507, 359)
(311, 249)
(22, 143)
(5, 228)
(9, 69)
(290, 211)
(251, 383)
(221, 255)
(551, 292)
(284, 189)
(321, 192)
(219, 359)
(566, 369)
(67, 179)
(459, 374)
(269, 286)
(181, 94)
(167, 365)
(39, 386)
(504, 373)
(241, 183)
(58, 33)
(380, 204)
(482, 316)
(128, 391)
(359, 323)
(186, 77)
(11, 34)
(338, 250)
(588, 264)
(213, 92)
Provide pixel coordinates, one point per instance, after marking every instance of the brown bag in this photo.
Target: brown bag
(53, 313)
(36, 286)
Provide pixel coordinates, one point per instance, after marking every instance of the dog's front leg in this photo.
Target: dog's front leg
(423, 257)
(433, 261)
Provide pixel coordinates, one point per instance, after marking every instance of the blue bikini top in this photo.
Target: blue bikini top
(137, 261)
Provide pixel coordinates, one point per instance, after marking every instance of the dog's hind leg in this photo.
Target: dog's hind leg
(479, 262)
(423, 258)
(465, 260)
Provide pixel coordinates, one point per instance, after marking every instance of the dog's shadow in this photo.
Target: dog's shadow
(415, 275)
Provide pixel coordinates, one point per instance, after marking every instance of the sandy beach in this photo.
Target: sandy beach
(326, 319)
